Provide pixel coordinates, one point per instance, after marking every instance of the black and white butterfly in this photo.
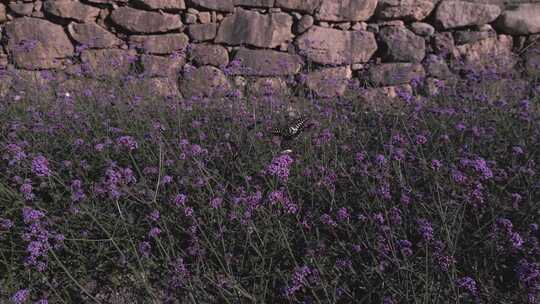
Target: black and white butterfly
(292, 129)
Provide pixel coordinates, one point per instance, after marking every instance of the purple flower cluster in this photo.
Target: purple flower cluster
(40, 166)
(115, 179)
(127, 142)
(280, 167)
(77, 192)
(279, 197)
(40, 239)
(14, 154)
(303, 276)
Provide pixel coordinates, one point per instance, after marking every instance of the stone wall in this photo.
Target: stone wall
(207, 47)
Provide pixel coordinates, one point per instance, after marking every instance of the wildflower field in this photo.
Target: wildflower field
(115, 195)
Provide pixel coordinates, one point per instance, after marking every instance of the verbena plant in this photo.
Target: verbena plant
(112, 194)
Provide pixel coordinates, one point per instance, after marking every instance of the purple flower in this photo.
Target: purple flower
(26, 190)
(144, 249)
(17, 153)
(378, 218)
(480, 165)
(327, 220)
(20, 296)
(154, 232)
(468, 284)
(380, 159)
(127, 142)
(280, 167)
(343, 214)
(436, 164)
(420, 140)
(517, 150)
(516, 240)
(299, 280)
(405, 247)
(77, 193)
(154, 215)
(167, 179)
(460, 126)
(99, 147)
(425, 228)
(405, 199)
(40, 166)
(459, 177)
(360, 156)
(180, 200)
(216, 202)
(5, 224)
(31, 215)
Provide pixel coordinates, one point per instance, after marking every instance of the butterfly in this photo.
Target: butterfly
(291, 130)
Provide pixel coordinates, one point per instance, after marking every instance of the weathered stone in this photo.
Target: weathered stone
(329, 82)
(3, 16)
(373, 27)
(304, 24)
(452, 14)
(206, 81)
(405, 9)
(6, 85)
(523, 19)
(93, 35)
(163, 86)
(331, 46)
(391, 23)
(432, 86)
(161, 66)
(269, 86)
(323, 24)
(78, 87)
(108, 1)
(73, 10)
(255, 3)
(422, 29)
(21, 8)
(346, 10)
(494, 52)
(252, 28)
(436, 66)
(216, 5)
(464, 37)
(306, 6)
(159, 44)
(190, 18)
(202, 32)
(400, 44)
(3, 59)
(266, 63)
(443, 43)
(36, 43)
(168, 5)
(359, 26)
(389, 74)
(204, 17)
(343, 26)
(484, 28)
(208, 54)
(139, 21)
(384, 97)
(107, 62)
